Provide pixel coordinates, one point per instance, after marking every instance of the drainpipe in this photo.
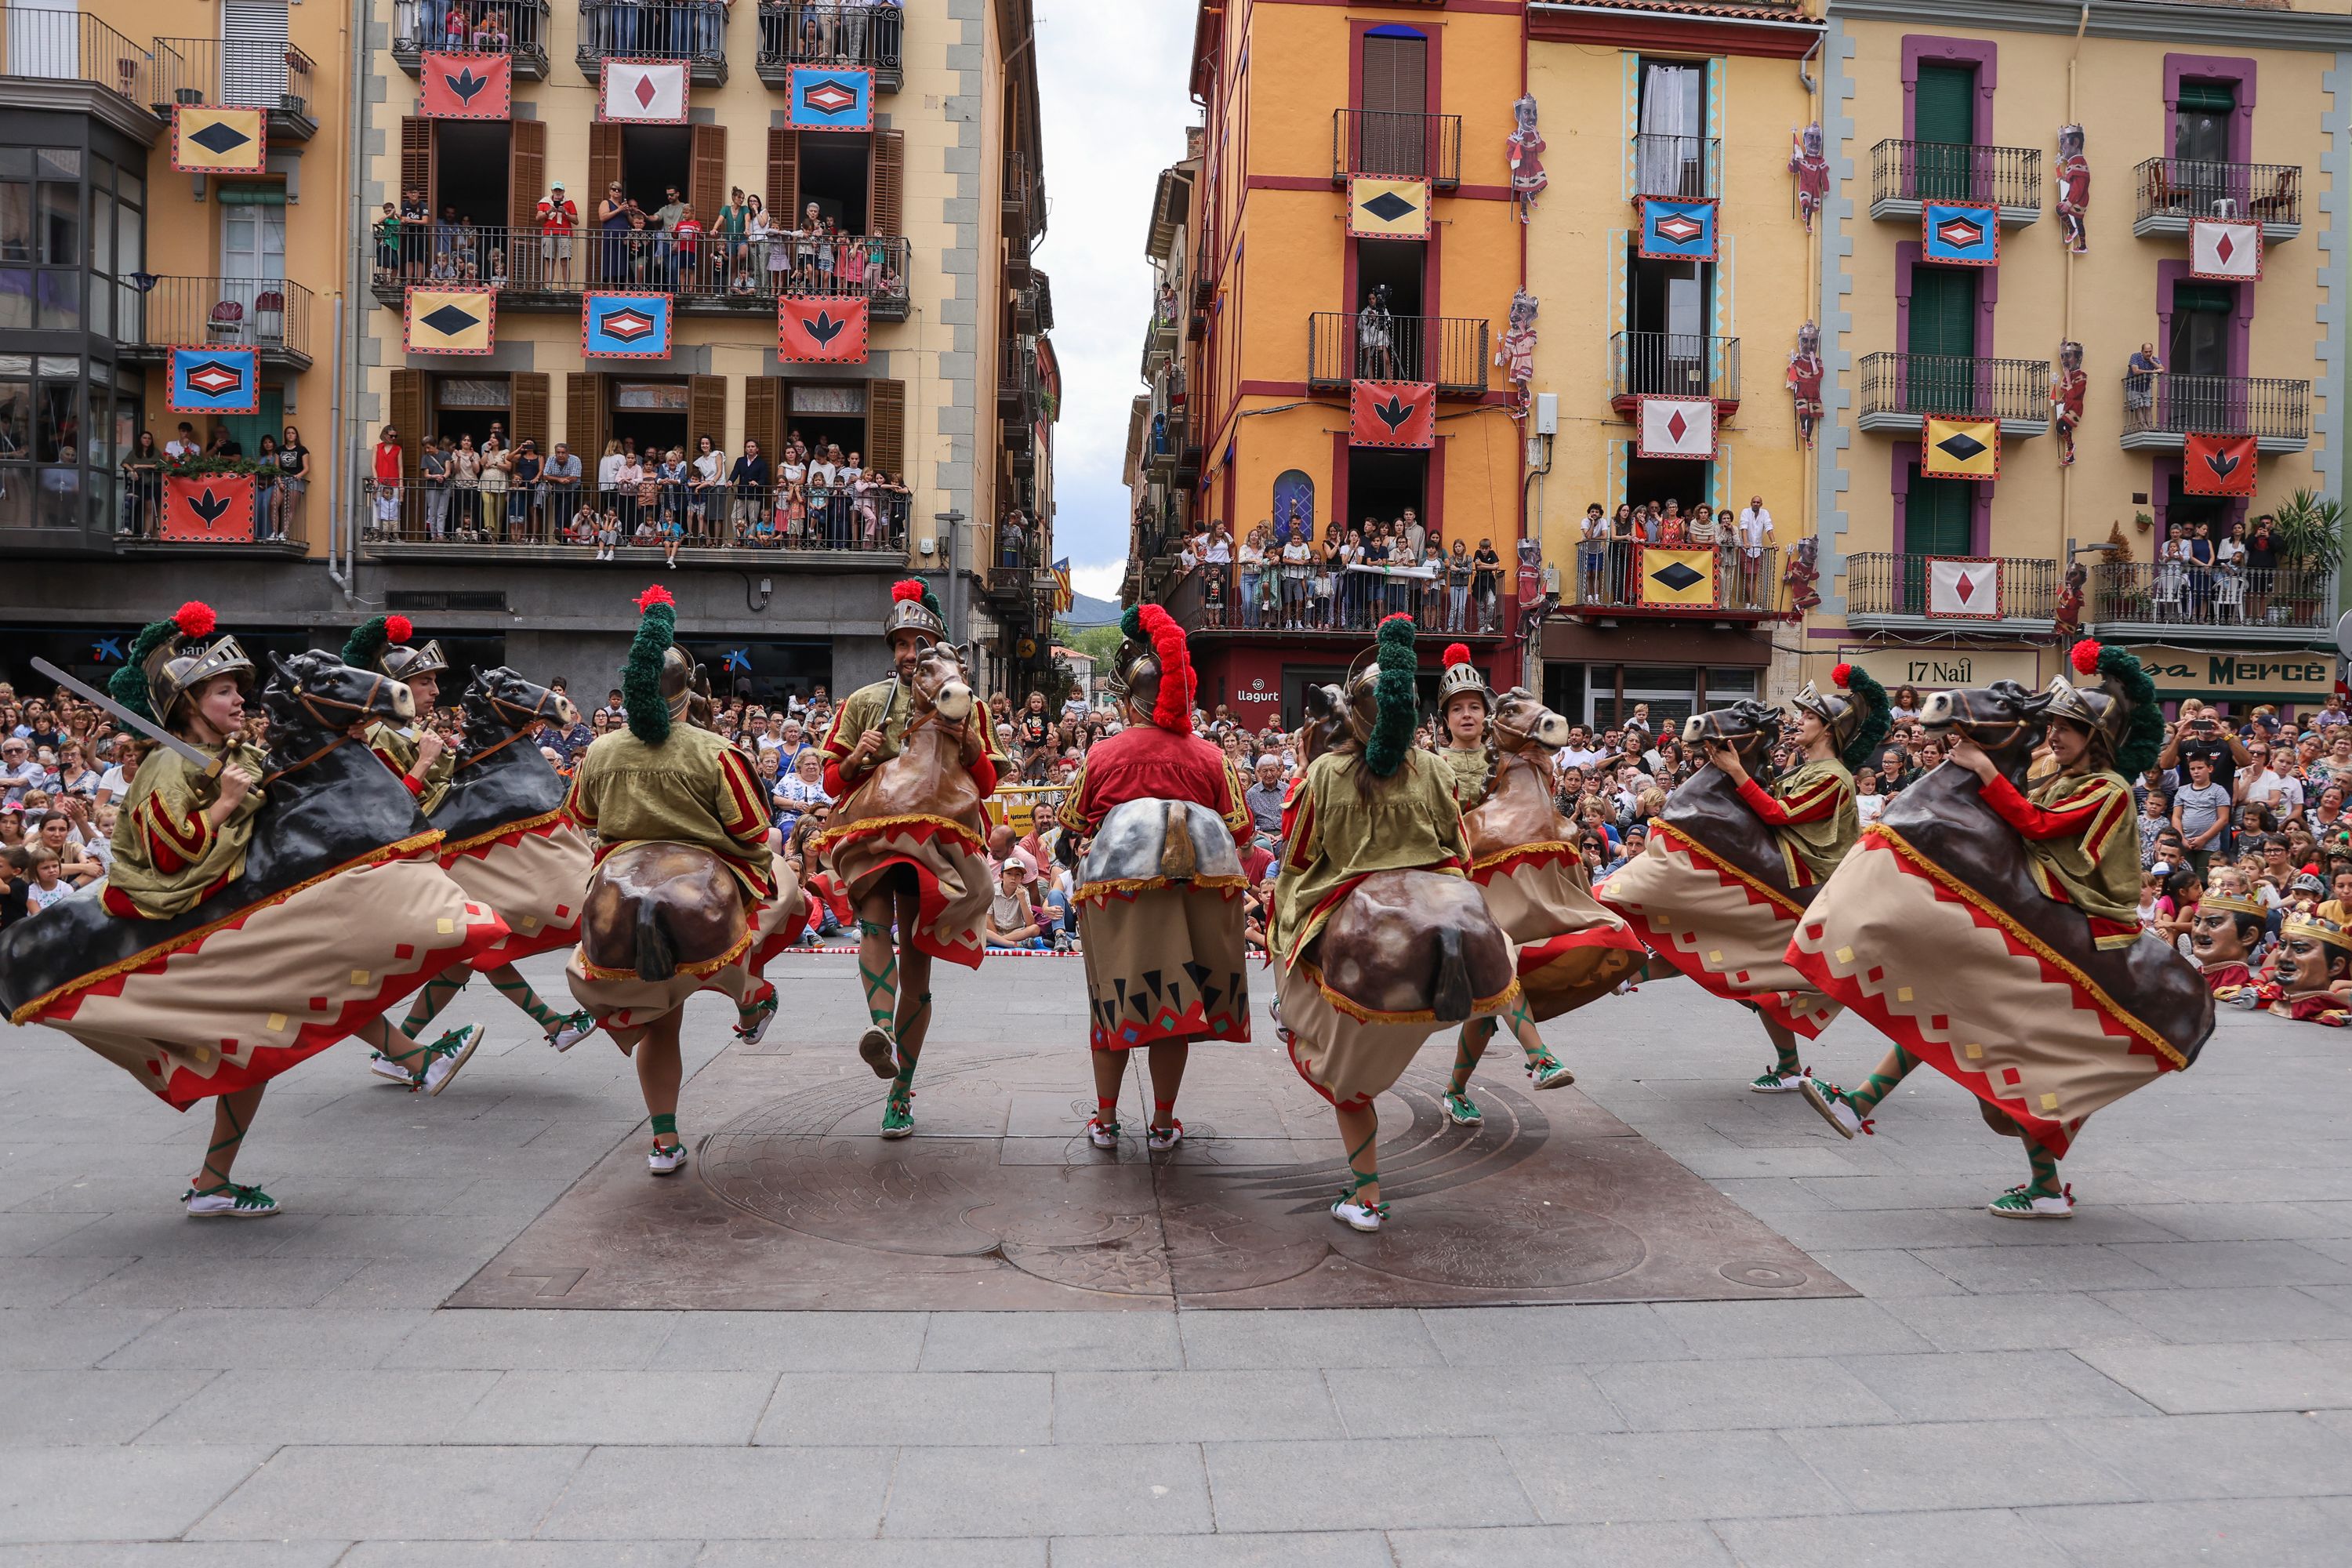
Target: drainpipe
(342, 452)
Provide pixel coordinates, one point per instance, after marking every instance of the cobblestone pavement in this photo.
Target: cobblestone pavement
(2165, 1379)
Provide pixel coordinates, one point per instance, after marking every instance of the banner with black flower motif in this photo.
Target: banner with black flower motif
(2217, 465)
(467, 87)
(1393, 413)
(826, 330)
(208, 507)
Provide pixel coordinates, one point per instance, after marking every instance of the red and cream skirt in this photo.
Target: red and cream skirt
(1570, 950)
(535, 875)
(950, 872)
(1164, 963)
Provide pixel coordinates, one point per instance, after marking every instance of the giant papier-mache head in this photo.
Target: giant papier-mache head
(382, 645)
(1856, 712)
(173, 660)
(2125, 726)
(1152, 670)
(914, 608)
(2225, 928)
(2313, 955)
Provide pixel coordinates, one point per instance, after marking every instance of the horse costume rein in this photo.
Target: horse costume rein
(305, 700)
(516, 727)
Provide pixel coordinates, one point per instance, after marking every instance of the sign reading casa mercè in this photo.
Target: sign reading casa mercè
(2296, 675)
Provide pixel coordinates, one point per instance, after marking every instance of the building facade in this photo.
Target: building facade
(428, 278)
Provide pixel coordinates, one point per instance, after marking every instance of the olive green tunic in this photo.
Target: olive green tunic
(1466, 769)
(398, 749)
(1333, 835)
(1820, 842)
(167, 856)
(2099, 865)
(694, 788)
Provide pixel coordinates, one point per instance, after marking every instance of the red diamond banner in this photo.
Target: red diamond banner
(1675, 428)
(821, 332)
(215, 509)
(2218, 466)
(1393, 413)
(468, 87)
(643, 92)
(2227, 251)
(1962, 589)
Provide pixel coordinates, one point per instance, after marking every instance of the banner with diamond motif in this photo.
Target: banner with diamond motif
(2230, 251)
(1677, 231)
(1393, 413)
(831, 98)
(1675, 427)
(821, 332)
(214, 508)
(1380, 208)
(450, 321)
(641, 92)
(1670, 579)
(207, 141)
(1960, 449)
(626, 325)
(2217, 465)
(467, 87)
(1963, 589)
(1960, 234)
(215, 381)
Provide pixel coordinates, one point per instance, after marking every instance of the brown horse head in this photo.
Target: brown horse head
(1750, 729)
(1326, 728)
(1415, 941)
(1521, 721)
(499, 702)
(2005, 719)
(939, 684)
(654, 908)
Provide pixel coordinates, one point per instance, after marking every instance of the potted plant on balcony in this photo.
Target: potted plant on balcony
(2309, 530)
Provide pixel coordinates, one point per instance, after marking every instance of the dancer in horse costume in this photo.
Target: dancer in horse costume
(258, 908)
(1380, 937)
(1996, 934)
(688, 893)
(512, 846)
(909, 761)
(1160, 884)
(1523, 856)
(1728, 925)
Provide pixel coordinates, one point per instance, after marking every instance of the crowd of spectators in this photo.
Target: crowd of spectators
(1281, 577)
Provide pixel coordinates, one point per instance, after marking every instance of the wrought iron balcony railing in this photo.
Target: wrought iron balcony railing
(1903, 174)
(1337, 601)
(2286, 602)
(539, 520)
(201, 70)
(796, 34)
(1684, 168)
(74, 45)
(1881, 583)
(2161, 409)
(272, 314)
(1345, 346)
(1608, 580)
(516, 28)
(1673, 364)
(1402, 146)
(1899, 391)
(694, 31)
(2172, 191)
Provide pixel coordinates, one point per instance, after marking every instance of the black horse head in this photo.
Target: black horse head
(1750, 728)
(499, 702)
(315, 695)
(2005, 719)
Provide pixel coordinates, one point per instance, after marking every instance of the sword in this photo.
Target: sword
(153, 731)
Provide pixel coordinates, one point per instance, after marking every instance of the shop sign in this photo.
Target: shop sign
(2245, 675)
(1945, 669)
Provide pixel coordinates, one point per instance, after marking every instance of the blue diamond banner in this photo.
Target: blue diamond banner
(626, 325)
(1960, 234)
(215, 381)
(1677, 231)
(832, 98)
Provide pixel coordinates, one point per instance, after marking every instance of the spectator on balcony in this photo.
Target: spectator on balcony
(497, 483)
(416, 220)
(559, 481)
(293, 481)
(684, 238)
(182, 444)
(434, 468)
(729, 231)
(385, 472)
(221, 445)
(706, 477)
(1295, 563)
(1486, 584)
(2199, 558)
(2262, 568)
(466, 488)
(387, 243)
(522, 492)
(2139, 383)
(265, 489)
(143, 490)
(747, 482)
(559, 216)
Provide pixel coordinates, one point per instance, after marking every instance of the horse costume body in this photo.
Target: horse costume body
(507, 838)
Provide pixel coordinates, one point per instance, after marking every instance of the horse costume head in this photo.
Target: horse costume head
(1750, 728)
(2004, 719)
(316, 694)
(1521, 721)
(499, 703)
(939, 684)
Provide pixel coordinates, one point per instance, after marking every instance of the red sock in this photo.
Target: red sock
(1163, 1108)
(1106, 1110)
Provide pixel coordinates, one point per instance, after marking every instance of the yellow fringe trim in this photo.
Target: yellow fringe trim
(1976, 900)
(451, 849)
(402, 850)
(1367, 1015)
(1100, 892)
(702, 970)
(1544, 846)
(1787, 905)
(833, 835)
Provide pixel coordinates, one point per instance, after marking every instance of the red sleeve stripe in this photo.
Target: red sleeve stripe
(832, 746)
(188, 838)
(575, 805)
(746, 820)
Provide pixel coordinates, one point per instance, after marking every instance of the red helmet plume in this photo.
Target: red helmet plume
(1457, 653)
(398, 628)
(1842, 675)
(907, 588)
(1171, 708)
(656, 594)
(195, 619)
(2086, 656)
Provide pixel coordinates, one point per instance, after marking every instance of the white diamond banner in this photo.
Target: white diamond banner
(1676, 427)
(2218, 249)
(643, 92)
(1970, 589)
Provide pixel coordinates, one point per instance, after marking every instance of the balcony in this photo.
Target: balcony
(73, 46)
(1610, 584)
(277, 527)
(868, 36)
(1268, 604)
(266, 313)
(2144, 601)
(2159, 418)
(1398, 146)
(816, 528)
(694, 31)
(1020, 395)
(707, 282)
(1023, 197)
(1906, 175)
(1672, 364)
(194, 70)
(1679, 168)
(1448, 349)
(515, 28)
(2172, 191)
(1886, 592)
(1899, 391)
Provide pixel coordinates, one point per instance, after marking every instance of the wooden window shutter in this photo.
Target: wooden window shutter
(528, 404)
(408, 415)
(584, 419)
(886, 200)
(762, 410)
(603, 168)
(885, 428)
(706, 402)
(526, 182)
(416, 158)
(783, 175)
(706, 180)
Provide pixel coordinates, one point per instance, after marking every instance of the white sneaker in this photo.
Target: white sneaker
(1772, 1081)
(229, 1202)
(764, 1013)
(572, 1031)
(1102, 1134)
(1165, 1138)
(667, 1162)
(450, 1052)
(2016, 1204)
(1356, 1215)
(1833, 1110)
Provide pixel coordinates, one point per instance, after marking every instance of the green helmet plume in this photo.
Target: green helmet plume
(367, 642)
(641, 692)
(2143, 735)
(1398, 695)
(1877, 715)
(1130, 624)
(128, 684)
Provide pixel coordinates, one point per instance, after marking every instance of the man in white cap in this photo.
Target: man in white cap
(558, 216)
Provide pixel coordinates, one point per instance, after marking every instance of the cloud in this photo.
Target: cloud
(1112, 82)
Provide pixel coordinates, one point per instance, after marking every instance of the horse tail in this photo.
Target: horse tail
(656, 954)
(1450, 998)
(1177, 860)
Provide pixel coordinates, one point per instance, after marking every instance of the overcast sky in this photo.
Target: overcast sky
(1112, 78)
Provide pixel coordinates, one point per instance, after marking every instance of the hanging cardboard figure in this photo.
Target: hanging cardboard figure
(2074, 180)
(1525, 145)
(2067, 386)
(1811, 168)
(1516, 353)
(1805, 381)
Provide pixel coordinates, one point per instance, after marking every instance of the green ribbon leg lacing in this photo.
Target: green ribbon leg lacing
(431, 1000)
(512, 986)
(245, 1197)
(1789, 1063)
(1363, 1178)
(1466, 1053)
(1892, 1072)
(910, 1051)
(760, 1002)
(2046, 1172)
(665, 1123)
(881, 985)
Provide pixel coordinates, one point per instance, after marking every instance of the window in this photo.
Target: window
(2200, 122)
(1669, 156)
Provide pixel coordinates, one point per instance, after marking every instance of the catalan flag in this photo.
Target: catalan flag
(1063, 594)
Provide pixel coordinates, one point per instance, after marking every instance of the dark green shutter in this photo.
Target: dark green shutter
(1942, 375)
(1944, 123)
(1937, 519)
